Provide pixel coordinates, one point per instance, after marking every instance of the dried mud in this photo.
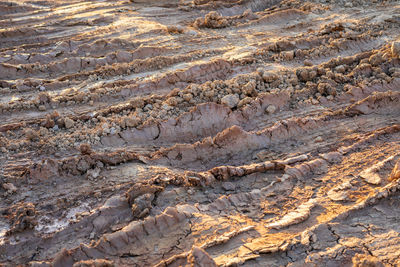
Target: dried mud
(199, 133)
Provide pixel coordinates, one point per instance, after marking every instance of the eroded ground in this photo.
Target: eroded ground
(199, 133)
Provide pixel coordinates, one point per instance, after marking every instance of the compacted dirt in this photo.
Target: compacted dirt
(199, 133)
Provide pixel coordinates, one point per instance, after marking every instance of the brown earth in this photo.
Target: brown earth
(199, 133)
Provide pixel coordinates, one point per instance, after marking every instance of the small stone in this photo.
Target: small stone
(106, 130)
(270, 77)
(43, 131)
(314, 101)
(228, 186)
(85, 149)
(348, 4)
(132, 121)
(230, 100)
(9, 187)
(172, 101)
(307, 63)
(148, 107)
(340, 69)
(68, 123)
(31, 134)
(395, 174)
(249, 88)
(187, 97)
(270, 109)
(396, 48)
(93, 173)
(166, 107)
(92, 235)
(175, 29)
(288, 55)
(42, 108)
(319, 139)
(245, 101)
(306, 74)
(43, 98)
(42, 88)
(99, 164)
(137, 103)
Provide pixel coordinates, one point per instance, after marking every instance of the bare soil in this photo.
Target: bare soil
(199, 133)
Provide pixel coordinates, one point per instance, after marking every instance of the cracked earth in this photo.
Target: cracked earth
(199, 133)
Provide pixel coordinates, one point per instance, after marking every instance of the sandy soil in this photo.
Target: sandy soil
(199, 133)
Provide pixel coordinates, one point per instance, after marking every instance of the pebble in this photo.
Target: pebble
(348, 4)
(288, 55)
(106, 130)
(270, 77)
(68, 123)
(132, 121)
(230, 100)
(148, 107)
(270, 109)
(43, 131)
(307, 63)
(340, 69)
(187, 97)
(228, 186)
(319, 139)
(245, 101)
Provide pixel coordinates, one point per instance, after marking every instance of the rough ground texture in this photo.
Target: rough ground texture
(199, 133)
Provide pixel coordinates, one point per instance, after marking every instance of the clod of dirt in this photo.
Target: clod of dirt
(270, 109)
(68, 123)
(212, 20)
(22, 216)
(10, 188)
(395, 174)
(230, 100)
(198, 257)
(360, 260)
(94, 263)
(396, 49)
(269, 77)
(85, 149)
(141, 205)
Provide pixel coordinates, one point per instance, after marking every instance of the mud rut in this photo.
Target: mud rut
(166, 133)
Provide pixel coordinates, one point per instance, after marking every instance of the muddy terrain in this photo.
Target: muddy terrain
(199, 133)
